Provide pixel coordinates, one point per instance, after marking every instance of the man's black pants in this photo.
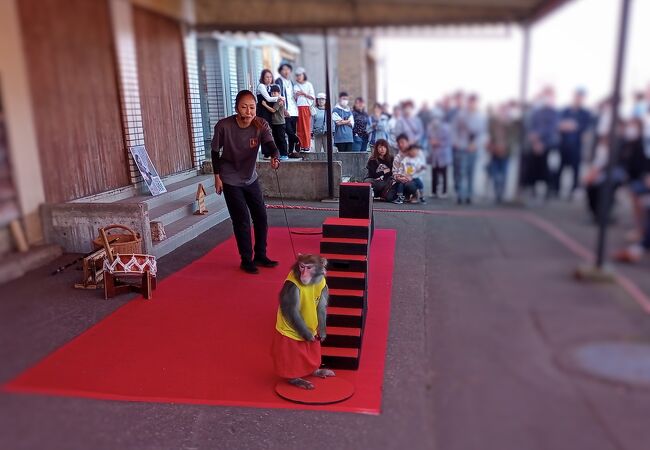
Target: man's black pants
(240, 200)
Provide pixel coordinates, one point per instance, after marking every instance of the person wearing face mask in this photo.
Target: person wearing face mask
(343, 124)
(319, 124)
(234, 154)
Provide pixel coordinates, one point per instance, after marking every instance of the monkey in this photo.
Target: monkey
(301, 322)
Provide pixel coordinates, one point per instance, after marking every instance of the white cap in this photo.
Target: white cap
(300, 70)
(321, 95)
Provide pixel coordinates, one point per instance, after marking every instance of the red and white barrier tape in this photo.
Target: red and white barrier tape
(544, 225)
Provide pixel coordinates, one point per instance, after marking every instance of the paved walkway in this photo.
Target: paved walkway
(482, 309)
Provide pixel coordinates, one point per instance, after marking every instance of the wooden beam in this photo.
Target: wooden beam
(309, 14)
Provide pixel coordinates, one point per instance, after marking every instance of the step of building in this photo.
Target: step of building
(346, 298)
(177, 209)
(175, 191)
(16, 264)
(344, 246)
(346, 263)
(346, 280)
(344, 317)
(343, 337)
(334, 227)
(187, 228)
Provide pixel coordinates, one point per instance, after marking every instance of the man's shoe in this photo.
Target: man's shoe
(249, 267)
(265, 262)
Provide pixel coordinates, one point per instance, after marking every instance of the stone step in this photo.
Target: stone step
(187, 228)
(177, 209)
(174, 192)
(15, 265)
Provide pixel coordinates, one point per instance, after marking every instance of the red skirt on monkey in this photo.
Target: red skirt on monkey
(300, 322)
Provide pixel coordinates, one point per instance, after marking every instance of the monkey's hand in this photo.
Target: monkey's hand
(309, 338)
(322, 335)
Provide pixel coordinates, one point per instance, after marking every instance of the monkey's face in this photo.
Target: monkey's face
(307, 272)
(310, 268)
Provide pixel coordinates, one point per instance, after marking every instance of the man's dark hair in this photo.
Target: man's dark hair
(275, 88)
(413, 147)
(358, 99)
(343, 94)
(402, 136)
(283, 65)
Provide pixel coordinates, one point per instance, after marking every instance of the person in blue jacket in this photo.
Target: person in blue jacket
(343, 124)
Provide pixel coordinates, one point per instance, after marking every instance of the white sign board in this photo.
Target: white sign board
(147, 170)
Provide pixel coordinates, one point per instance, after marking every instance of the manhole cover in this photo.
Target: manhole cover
(617, 361)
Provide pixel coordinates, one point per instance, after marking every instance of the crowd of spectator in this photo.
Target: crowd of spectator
(449, 138)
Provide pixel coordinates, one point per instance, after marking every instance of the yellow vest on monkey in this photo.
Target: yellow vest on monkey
(309, 295)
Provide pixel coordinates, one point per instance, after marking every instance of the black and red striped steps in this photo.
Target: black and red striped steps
(345, 246)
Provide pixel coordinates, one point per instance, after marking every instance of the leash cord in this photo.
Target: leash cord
(284, 209)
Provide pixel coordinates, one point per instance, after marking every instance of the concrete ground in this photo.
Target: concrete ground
(482, 309)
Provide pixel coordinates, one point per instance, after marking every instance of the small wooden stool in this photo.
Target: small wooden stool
(130, 267)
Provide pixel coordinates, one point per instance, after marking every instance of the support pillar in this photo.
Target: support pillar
(19, 120)
(193, 97)
(523, 101)
(126, 63)
(606, 201)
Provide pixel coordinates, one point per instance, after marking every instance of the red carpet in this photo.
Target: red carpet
(205, 338)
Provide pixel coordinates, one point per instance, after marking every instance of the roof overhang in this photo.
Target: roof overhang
(316, 15)
(309, 15)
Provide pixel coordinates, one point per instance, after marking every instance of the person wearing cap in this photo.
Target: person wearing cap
(291, 108)
(319, 124)
(303, 92)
